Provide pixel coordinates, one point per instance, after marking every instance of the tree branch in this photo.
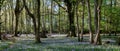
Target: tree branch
(60, 5)
(26, 8)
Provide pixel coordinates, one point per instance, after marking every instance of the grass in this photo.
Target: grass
(55, 44)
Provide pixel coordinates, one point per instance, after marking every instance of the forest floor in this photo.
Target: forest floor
(56, 43)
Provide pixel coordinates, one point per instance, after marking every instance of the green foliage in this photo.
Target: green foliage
(112, 16)
(26, 25)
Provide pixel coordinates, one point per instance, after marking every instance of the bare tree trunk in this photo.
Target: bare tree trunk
(1, 3)
(43, 33)
(90, 22)
(17, 13)
(16, 25)
(110, 20)
(59, 20)
(0, 27)
(0, 19)
(51, 23)
(95, 15)
(70, 8)
(38, 16)
(12, 27)
(116, 27)
(37, 37)
(82, 27)
(77, 20)
(0, 30)
(71, 25)
(98, 38)
(17, 16)
(5, 20)
(36, 29)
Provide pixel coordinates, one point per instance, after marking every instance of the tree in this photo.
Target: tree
(98, 4)
(70, 9)
(51, 18)
(17, 14)
(77, 21)
(82, 26)
(36, 26)
(95, 15)
(90, 21)
(1, 3)
(38, 16)
(71, 13)
(110, 20)
(43, 33)
(0, 29)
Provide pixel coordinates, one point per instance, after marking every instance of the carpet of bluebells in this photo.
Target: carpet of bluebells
(27, 43)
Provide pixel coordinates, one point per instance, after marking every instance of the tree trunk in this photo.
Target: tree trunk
(17, 13)
(51, 23)
(0, 17)
(90, 22)
(59, 21)
(0, 29)
(95, 15)
(5, 20)
(38, 16)
(71, 25)
(16, 24)
(37, 37)
(0, 26)
(1, 3)
(70, 8)
(17, 16)
(98, 38)
(0, 36)
(82, 27)
(36, 29)
(110, 20)
(43, 33)
(77, 20)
